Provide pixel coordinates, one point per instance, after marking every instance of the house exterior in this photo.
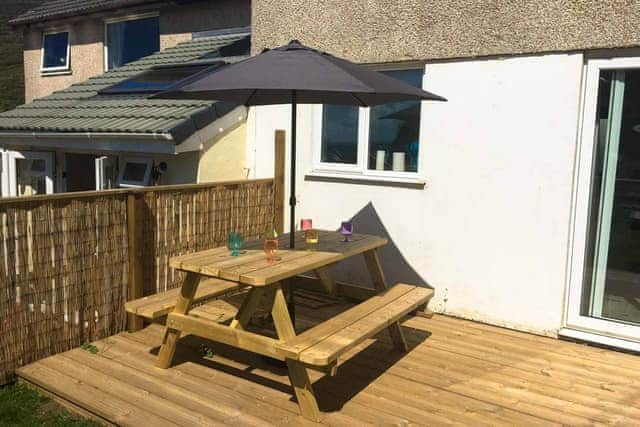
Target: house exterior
(94, 33)
(90, 70)
(518, 200)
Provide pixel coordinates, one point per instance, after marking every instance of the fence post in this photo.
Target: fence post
(278, 193)
(135, 211)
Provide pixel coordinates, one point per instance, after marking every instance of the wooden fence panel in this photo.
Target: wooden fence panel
(183, 220)
(65, 264)
(63, 275)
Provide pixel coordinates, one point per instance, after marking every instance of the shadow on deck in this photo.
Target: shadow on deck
(457, 372)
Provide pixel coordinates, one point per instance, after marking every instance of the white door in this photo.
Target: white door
(28, 173)
(604, 286)
(105, 173)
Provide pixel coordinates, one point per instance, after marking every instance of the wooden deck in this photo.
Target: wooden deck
(457, 372)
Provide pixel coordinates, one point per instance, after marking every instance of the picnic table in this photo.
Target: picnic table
(318, 347)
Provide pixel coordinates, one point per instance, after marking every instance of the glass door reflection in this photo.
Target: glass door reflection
(611, 287)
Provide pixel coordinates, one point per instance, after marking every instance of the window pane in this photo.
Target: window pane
(339, 134)
(134, 172)
(156, 80)
(394, 130)
(131, 40)
(55, 50)
(612, 263)
(30, 177)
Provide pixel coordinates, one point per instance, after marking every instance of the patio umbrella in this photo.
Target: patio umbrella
(296, 74)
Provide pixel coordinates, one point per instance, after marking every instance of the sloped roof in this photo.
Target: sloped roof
(81, 109)
(56, 9)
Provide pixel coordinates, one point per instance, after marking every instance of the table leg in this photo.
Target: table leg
(248, 307)
(380, 283)
(171, 336)
(297, 371)
(280, 313)
(288, 287)
(324, 274)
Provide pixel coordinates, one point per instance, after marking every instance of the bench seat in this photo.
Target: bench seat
(323, 344)
(155, 307)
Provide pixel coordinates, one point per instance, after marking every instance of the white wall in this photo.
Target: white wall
(490, 230)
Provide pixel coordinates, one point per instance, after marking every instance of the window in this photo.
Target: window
(130, 40)
(340, 134)
(28, 173)
(379, 140)
(157, 79)
(135, 173)
(55, 51)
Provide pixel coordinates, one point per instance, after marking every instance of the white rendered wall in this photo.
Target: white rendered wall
(490, 230)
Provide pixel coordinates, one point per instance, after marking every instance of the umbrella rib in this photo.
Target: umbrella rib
(362, 103)
(248, 101)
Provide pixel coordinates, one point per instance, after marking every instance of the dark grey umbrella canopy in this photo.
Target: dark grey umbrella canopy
(296, 74)
(316, 77)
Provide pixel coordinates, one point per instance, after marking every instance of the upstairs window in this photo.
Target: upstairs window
(55, 52)
(131, 40)
(381, 140)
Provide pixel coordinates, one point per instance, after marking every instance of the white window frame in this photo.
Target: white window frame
(115, 21)
(121, 182)
(574, 320)
(361, 167)
(67, 67)
(10, 157)
(4, 172)
(102, 181)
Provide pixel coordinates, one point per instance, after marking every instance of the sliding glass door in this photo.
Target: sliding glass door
(605, 275)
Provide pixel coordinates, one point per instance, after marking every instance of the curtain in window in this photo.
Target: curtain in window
(115, 37)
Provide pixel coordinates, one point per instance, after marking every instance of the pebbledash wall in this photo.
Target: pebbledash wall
(490, 230)
(87, 33)
(390, 30)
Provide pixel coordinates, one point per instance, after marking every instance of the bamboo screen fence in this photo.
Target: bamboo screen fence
(65, 264)
(184, 220)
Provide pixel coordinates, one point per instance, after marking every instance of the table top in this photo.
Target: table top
(252, 268)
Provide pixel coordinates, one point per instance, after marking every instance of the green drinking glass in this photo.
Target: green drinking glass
(235, 243)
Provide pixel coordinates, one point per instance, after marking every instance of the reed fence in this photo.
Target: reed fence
(68, 262)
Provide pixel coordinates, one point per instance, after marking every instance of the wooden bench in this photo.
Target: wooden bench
(156, 307)
(321, 345)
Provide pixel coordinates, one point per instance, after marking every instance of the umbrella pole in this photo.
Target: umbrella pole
(292, 194)
(292, 200)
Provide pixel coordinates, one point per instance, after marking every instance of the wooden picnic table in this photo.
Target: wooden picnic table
(265, 281)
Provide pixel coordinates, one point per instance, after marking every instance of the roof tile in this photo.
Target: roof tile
(56, 9)
(80, 108)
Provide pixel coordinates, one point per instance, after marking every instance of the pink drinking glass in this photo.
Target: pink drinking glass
(306, 224)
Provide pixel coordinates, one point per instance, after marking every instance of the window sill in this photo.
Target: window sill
(383, 181)
(44, 73)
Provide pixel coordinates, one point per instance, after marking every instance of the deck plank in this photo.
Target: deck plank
(457, 372)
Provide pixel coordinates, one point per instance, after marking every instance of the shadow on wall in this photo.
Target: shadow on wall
(395, 266)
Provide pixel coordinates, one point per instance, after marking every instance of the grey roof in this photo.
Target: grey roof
(56, 9)
(80, 108)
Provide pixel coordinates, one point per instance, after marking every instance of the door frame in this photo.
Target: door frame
(4, 172)
(595, 329)
(100, 163)
(9, 171)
